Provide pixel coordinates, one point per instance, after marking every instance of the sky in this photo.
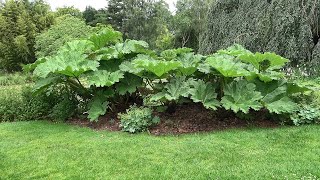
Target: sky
(97, 4)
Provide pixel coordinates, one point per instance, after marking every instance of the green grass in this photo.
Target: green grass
(43, 150)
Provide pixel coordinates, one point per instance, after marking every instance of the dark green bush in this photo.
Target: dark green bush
(289, 28)
(21, 104)
(137, 119)
(10, 103)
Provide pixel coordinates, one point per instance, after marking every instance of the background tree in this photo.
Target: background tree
(71, 10)
(116, 12)
(89, 14)
(188, 22)
(66, 28)
(19, 23)
(290, 28)
(143, 20)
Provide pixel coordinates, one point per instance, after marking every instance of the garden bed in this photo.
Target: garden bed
(188, 118)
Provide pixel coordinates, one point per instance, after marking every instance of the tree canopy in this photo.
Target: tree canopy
(290, 28)
(20, 21)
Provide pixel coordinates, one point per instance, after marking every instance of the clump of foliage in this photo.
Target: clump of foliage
(20, 22)
(140, 20)
(19, 103)
(107, 72)
(289, 28)
(309, 105)
(137, 119)
(91, 68)
(307, 114)
(188, 23)
(66, 28)
(10, 101)
(68, 10)
(15, 79)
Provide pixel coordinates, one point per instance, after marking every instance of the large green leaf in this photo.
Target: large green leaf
(69, 61)
(172, 54)
(241, 96)
(281, 106)
(301, 87)
(130, 46)
(228, 66)
(270, 60)
(174, 90)
(204, 93)
(45, 83)
(275, 97)
(104, 78)
(130, 68)
(190, 63)
(105, 37)
(129, 84)
(157, 67)
(97, 107)
(269, 76)
(120, 49)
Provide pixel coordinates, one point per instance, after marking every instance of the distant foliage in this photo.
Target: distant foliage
(141, 20)
(90, 15)
(65, 29)
(188, 22)
(68, 10)
(290, 28)
(20, 22)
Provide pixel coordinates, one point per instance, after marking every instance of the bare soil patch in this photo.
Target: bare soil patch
(188, 118)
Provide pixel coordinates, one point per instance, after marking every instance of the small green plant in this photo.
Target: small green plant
(307, 114)
(137, 119)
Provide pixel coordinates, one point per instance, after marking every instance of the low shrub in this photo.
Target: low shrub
(137, 119)
(15, 79)
(19, 103)
(307, 114)
(10, 103)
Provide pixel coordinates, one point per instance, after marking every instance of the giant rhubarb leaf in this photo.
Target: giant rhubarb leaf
(129, 84)
(179, 87)
(235, 50)
(228, 66)
(241, 96)
(190, 63)
(69, 61)
(104, 78)
(204, 93)
(98, 106)
(275, 97)
(105, 37)
(157, 67)
(264, 61)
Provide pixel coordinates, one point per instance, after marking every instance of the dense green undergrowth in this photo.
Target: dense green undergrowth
(42, 150)
(15, 79)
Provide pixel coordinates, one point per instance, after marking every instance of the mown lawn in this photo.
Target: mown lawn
(43, 150)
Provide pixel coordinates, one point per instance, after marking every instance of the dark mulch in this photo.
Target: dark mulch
(188, 118)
